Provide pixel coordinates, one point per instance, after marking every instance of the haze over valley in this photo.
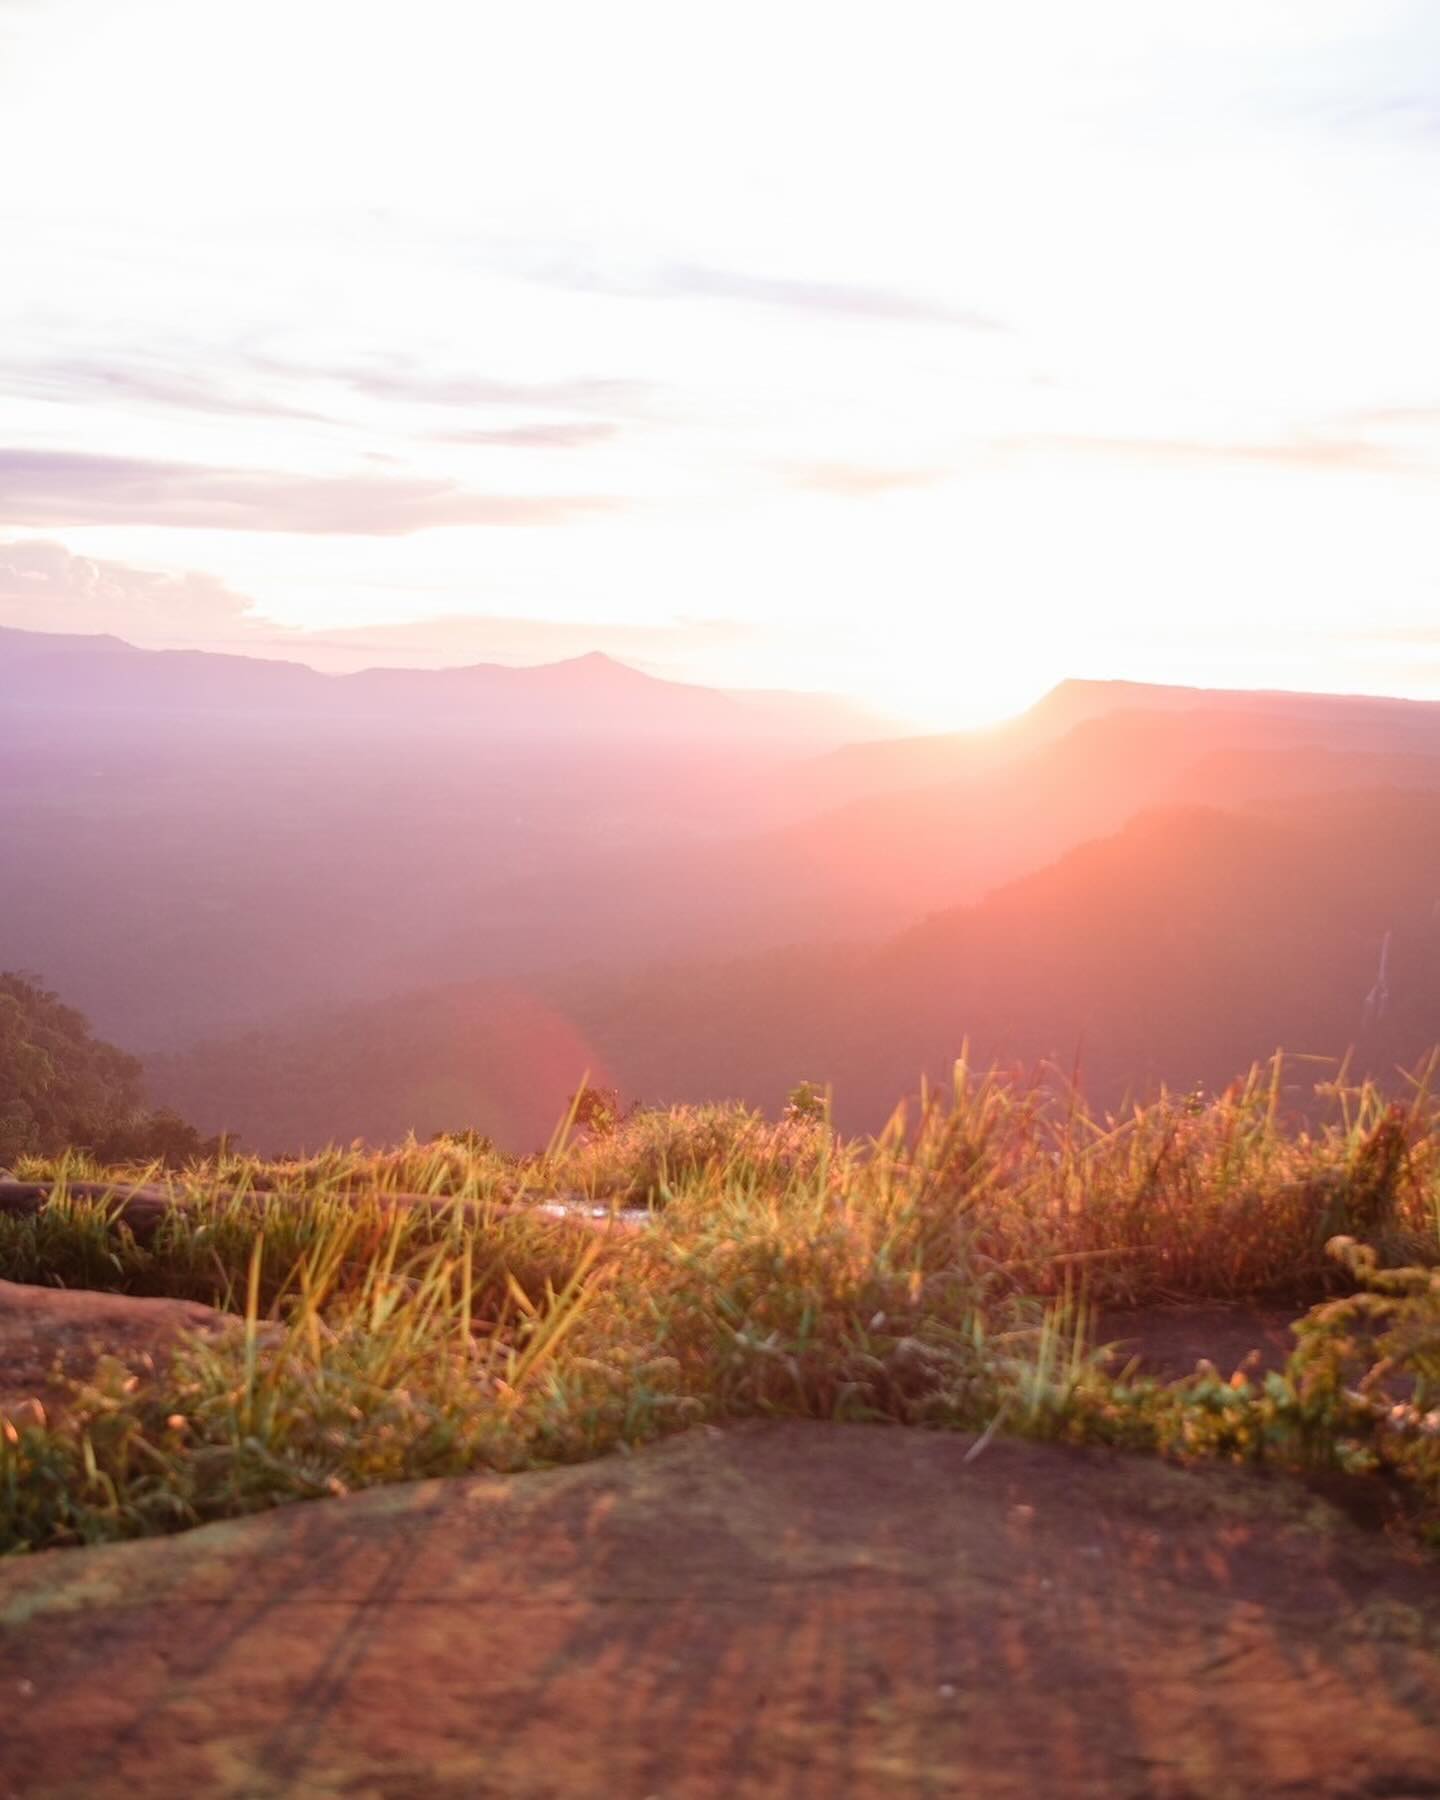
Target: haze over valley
(326, 907)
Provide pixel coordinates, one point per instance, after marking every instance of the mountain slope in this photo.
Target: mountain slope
(1178, 949)
(190, 874)
(95, 680)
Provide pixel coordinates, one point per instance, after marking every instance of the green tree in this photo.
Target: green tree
(598, 1110)
(61, 1088)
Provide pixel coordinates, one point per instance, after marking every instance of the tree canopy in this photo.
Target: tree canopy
(62, 1087)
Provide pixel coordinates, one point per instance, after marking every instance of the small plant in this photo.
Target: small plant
(471, 1142)
(806, 1101)
(1369, 1362)
(596, 1110)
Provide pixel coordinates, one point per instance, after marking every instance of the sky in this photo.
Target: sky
(930, 353)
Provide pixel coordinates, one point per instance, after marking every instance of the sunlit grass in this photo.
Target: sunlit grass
(421, 1312)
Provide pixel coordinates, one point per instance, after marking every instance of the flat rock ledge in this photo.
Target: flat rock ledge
(51, 1336)
(792, 1609)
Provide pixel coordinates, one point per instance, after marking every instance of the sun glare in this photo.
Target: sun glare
(946, 684)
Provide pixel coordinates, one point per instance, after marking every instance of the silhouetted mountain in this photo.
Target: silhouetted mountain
(46, 676)
(871, 867)
(92, 681)
(1178, 949)
(194, 842)
(185, 874)
(1357, 723)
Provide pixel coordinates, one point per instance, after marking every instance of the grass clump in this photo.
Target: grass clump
(1225, 1199)
(375, 1358)
(416, 1313)
(646, 1158)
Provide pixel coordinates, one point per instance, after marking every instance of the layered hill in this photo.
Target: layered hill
(1178, 949)
(95, 682)
(199, 845)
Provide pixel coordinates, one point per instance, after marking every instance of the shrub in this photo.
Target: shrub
(55, 1077)
(596, 1110)
(148, 1139)
(650, 1156)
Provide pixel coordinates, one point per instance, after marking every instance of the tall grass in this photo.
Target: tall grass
(936, 1274)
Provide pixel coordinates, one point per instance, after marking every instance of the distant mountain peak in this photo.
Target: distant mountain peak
(595, 662)
(74, 641)
(593, 696)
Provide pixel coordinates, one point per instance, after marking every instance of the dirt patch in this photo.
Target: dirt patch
(1168, 1341)
(797, 1610)
(50, 1334)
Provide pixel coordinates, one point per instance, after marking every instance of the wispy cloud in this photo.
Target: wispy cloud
(569, 434)
(45, 587)
(703, 281)
(406, 382)
(1426, 637)
(244, 386)
(856, 481)
(44, 488)
(1342, 455)
(87, 381)
(840, 299)
(1407, 116)
(459, 638)
(1416, 417)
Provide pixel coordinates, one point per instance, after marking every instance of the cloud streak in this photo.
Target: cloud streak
(568, 434)
(140, 378)
(45, 488)
(456, 639)
(858, 481)
(44, 587)
(583, 394)
(1341, 455)
(838, 299)
(85, 381)
(703, 281)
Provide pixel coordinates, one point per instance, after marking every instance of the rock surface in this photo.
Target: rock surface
(49, 1334)
(794, 1609)
(1167, 1342)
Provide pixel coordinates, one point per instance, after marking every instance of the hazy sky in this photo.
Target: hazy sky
(932, 352)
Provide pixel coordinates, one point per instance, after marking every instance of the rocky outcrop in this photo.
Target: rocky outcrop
(797, 1609)
(52, 1336)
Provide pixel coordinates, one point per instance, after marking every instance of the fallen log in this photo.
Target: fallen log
(143, 1208)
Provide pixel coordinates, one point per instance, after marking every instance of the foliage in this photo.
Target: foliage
(1169, 1202)
(645, 1158)
(806, 1101)
(1358, 1395)
(431, 1309)
(61, 1088)
(597, 1110)
(470, 1141)
(145, 1139)
(55, 1077)
(414, 1339)
(1371, 1361)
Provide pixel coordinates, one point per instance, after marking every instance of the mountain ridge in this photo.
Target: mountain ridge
(79, 674)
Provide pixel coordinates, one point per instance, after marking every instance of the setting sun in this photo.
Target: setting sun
(426, 381)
